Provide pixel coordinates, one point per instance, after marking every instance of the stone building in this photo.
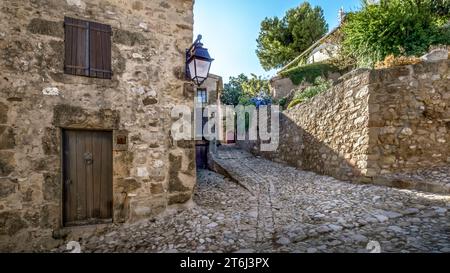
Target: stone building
(208, 93)
(86, 92)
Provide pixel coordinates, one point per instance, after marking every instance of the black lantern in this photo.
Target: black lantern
(198, 62)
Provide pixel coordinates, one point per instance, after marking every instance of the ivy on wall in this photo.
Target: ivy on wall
(308, 72)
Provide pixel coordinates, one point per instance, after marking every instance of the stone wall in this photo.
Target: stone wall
(371, 123)
(325, 133)
(37, 100)
(409, 120)
(281, 87)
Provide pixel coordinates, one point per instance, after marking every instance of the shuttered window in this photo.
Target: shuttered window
(87, 48)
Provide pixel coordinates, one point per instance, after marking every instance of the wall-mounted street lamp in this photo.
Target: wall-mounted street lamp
(198, 62)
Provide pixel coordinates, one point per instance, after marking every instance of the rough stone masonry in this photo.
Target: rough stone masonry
(37, 100)
(372, 124)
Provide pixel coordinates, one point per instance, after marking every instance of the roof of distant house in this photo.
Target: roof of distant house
(313, 46)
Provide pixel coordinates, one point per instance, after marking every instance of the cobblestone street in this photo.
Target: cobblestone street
(276, 208)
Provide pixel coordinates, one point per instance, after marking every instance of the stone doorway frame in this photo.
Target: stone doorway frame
(68, 117)
(63, 204)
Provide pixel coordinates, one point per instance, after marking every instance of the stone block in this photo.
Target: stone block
(45, 27)
(179, 72)
(179, 197)
(7, 162)
(50, 141)
(128, 184)
(149, 101)
(157, 188)
(3, 113)
(11, 223)
(137, 5)
(175, 183)
(52, 187)
(7, 138)
(49, 216)
(8, 186)
(65, 115)
(436, 55)
(77, 3)
(128, 38)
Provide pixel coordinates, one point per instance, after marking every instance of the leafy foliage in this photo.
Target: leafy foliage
(294, 102)
(245, 100)
(308, 72)
(255, 85)
(233, 90)
(397, 27)
(342, 61)
(441, 8)
(281, 40)
(246, 91)
(282, 102)
(320, 85)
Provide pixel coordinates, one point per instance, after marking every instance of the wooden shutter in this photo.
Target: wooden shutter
(76, 59)
(88, 48)
(100, 51)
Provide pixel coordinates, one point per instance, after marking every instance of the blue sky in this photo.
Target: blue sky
(230, 29)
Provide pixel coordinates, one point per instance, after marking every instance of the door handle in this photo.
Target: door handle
(88, 158)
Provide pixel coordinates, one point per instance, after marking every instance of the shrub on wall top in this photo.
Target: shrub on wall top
(308, 72)
(320, 85)
(398, 27)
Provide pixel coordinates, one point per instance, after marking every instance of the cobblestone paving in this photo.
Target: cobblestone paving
(313, 213)
(436, 179)
(281, 209)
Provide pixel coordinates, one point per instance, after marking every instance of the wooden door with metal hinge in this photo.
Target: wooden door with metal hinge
(87, 177)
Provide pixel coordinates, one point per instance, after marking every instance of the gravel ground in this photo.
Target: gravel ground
(275, 208)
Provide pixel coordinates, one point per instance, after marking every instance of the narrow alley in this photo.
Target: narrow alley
(269, 207)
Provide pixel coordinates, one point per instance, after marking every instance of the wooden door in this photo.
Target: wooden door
(87, 177)
(201, 156)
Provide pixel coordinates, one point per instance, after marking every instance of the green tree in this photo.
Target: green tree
(398, 27)
(241, 89)
(441, 8)
(232, 90)
(281, 40)
(255, 85)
